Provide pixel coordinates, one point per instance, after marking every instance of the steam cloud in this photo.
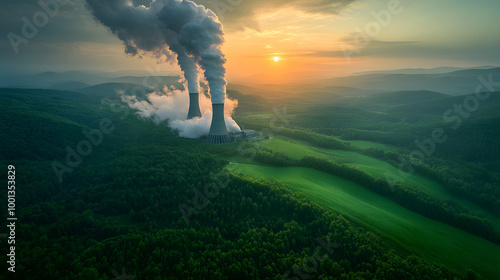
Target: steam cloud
(169, 28)
(171, 105)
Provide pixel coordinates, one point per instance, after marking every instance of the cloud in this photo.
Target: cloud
(240, 14)
(373, 48)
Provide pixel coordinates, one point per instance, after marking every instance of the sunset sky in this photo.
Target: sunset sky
(310, 38)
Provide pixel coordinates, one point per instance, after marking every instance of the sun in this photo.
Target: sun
(276, 58)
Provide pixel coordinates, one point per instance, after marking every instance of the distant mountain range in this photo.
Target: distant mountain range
(447, 80)
(437, 70)
(71, 80)
(452, 83)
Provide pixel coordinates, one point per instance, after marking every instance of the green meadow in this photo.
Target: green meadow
(435, 241)
(297, 149)
(367, 144)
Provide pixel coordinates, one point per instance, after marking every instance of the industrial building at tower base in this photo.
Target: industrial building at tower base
(246, 134)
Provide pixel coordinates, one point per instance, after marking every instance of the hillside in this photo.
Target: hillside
(459, 82)
(130, 193)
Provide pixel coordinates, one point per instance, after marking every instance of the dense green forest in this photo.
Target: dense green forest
(150, 204)
(467, 163)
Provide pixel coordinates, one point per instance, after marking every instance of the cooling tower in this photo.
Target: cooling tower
(218, 131)
(194, 106)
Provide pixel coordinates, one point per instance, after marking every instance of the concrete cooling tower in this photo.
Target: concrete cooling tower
(218, 131)
(194, 106)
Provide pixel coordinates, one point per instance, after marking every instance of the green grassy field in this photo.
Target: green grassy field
(297, 149)
(367, 144)
(435, 241)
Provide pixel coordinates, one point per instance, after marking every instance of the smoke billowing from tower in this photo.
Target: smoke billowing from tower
(172, 29)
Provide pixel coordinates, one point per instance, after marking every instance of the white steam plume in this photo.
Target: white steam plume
(170, 105)
(191, 31)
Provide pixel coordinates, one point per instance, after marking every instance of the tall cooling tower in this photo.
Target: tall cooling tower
(218, 131)
(194, 106)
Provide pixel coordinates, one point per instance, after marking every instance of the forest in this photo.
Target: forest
(148, 204)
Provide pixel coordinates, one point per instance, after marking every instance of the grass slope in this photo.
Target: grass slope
(367, 144)
(297, 149)
(435, 241)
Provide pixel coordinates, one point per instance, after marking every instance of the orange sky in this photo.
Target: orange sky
(310, 43)
(311, 46)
